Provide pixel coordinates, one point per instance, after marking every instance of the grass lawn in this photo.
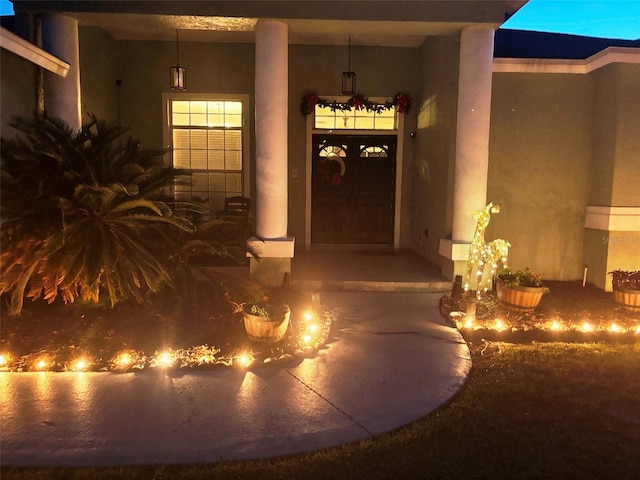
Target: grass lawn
(528, 411)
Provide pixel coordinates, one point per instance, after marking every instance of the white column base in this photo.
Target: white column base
(455, 256)
(273, 265)
(279, 248)
(454, 250)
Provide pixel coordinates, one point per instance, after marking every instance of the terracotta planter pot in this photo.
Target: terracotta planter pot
(629, 298)
(263, 329)
(522, 298)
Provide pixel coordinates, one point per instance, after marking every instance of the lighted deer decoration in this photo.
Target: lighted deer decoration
(482, 254)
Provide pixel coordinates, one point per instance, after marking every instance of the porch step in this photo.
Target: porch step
(368, 271)
(359, 272)
(370, 286)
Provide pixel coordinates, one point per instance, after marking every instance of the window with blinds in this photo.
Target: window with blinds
(207, 138)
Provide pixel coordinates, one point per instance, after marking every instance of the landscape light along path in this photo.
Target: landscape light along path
(390, 359)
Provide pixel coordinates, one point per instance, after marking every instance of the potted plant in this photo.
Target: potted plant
(266, 322)
(521, 289)
(626, 287)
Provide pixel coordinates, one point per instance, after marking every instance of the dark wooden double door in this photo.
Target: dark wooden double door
(353, 189)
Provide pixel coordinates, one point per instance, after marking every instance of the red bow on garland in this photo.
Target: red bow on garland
(401, 102)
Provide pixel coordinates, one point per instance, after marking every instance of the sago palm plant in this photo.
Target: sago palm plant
(84, 213)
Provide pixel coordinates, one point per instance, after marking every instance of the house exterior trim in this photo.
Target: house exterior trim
(613, 219)
(18, 45)
(552, 65)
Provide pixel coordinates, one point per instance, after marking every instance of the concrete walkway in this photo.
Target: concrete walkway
(390, 360)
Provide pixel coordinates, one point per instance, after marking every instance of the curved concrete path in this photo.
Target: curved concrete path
(391, 360)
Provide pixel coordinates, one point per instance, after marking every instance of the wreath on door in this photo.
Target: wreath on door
(332, 169)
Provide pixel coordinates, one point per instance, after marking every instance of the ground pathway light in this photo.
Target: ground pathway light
(164, 359)
(500, 324)
(244, 359)
(42, 365)
(80, 365)
(308, 334)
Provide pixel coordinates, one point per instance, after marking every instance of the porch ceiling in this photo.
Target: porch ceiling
(126, 26)
(397, 23)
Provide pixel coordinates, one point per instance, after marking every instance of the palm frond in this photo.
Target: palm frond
(81, 210)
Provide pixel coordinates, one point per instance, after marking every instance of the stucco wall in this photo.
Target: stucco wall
(626, 174)
(606, 251)
(98, 83)
(615, 136)
(18, 94)
(143, 68)
(615, 168)
(144, 71)
(381, 72)
(539, 169)
(624, 247)
(606, 100)
(623, 252)
(434, 145)
(596, 252)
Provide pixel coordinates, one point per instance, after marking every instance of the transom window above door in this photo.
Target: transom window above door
(326, 118)
(207, 137)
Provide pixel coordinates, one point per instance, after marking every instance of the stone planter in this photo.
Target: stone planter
(627, 297)
(268, 329)
(522, 298)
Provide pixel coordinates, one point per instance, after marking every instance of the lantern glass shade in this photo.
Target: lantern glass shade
(178, 78)
(348, 83)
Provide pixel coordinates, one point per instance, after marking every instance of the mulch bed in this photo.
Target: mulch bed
(67, 331)
(568, 306)
(62, 333)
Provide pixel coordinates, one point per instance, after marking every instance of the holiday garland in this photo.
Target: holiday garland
(359, 102)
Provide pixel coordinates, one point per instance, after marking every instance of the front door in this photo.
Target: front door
(353, 189)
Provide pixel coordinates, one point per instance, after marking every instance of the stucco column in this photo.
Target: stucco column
(472, 140)
(271, 129)
(272, 106)
(62, 94)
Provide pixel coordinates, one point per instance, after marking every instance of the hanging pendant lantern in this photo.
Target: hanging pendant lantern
(349, 77)
(178, 74)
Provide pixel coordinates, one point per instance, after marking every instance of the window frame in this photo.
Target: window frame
(169, 97)
(399, 132)
(353, 115)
